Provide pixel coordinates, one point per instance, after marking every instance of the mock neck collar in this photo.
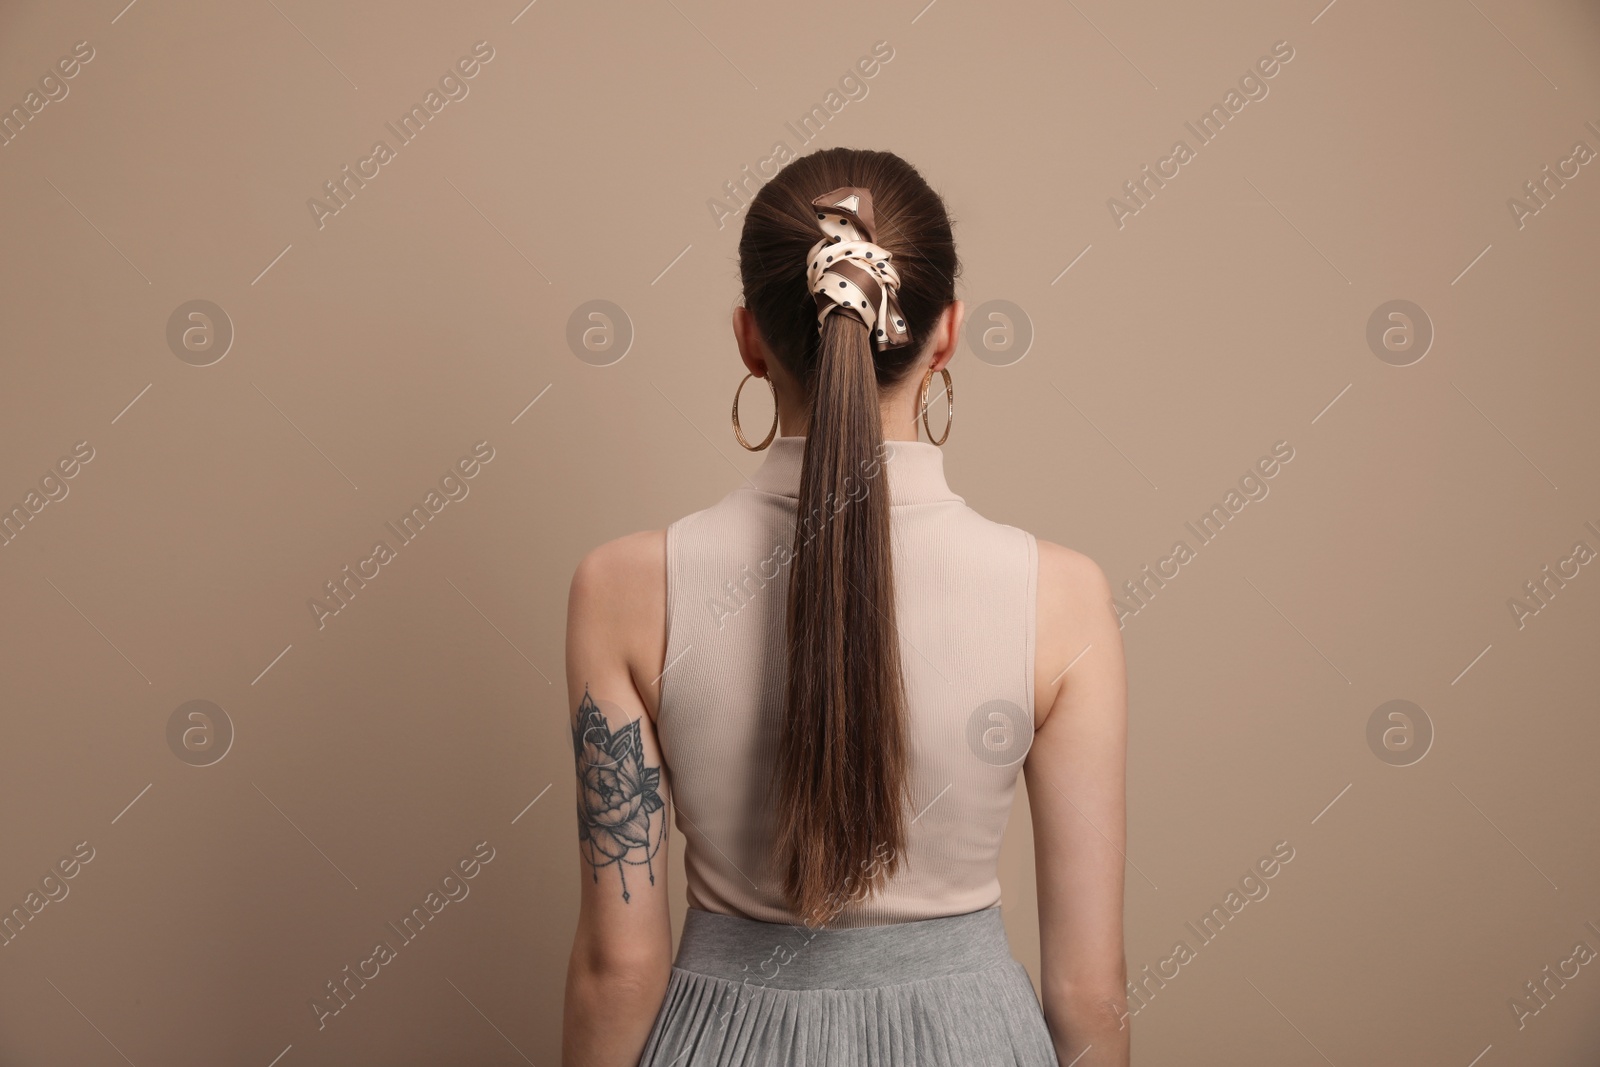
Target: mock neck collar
(915, 471)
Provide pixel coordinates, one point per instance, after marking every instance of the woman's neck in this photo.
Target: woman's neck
(899, 412)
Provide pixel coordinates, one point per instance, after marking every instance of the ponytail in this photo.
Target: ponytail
(841, 792)
(842, 787)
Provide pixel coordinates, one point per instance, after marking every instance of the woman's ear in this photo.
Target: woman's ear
(947, 333)
(752, 347)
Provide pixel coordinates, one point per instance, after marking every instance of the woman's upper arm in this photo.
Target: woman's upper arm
(1075, 773)
(615, 625)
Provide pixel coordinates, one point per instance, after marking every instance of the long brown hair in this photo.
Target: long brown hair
(842, 784)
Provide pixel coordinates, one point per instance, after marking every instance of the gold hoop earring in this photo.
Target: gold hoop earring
(739, 433)
(950, 404)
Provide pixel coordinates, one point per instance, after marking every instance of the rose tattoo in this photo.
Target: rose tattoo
(617, 796)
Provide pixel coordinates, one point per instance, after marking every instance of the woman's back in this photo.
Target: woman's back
(965, 595)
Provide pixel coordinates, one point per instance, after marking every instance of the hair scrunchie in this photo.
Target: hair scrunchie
(847, 271)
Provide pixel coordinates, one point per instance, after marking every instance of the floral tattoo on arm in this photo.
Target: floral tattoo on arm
(617, 796)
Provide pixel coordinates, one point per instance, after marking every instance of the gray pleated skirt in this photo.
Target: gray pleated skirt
(936, 993)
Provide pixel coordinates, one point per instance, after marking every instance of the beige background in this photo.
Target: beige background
(371, 354)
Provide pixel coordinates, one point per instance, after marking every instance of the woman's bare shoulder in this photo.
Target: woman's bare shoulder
(619, 596)
(623, 564)
(1070, 571)
(1074, 611)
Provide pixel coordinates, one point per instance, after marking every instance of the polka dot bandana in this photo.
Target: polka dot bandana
(847, 272)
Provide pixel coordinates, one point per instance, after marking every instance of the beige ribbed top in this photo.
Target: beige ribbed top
(966, 590)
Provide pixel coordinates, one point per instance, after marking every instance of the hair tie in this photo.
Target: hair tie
(847, 271)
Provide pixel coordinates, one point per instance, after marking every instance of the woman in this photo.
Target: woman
(839, 669)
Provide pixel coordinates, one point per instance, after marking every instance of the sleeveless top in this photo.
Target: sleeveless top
(965, 590)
